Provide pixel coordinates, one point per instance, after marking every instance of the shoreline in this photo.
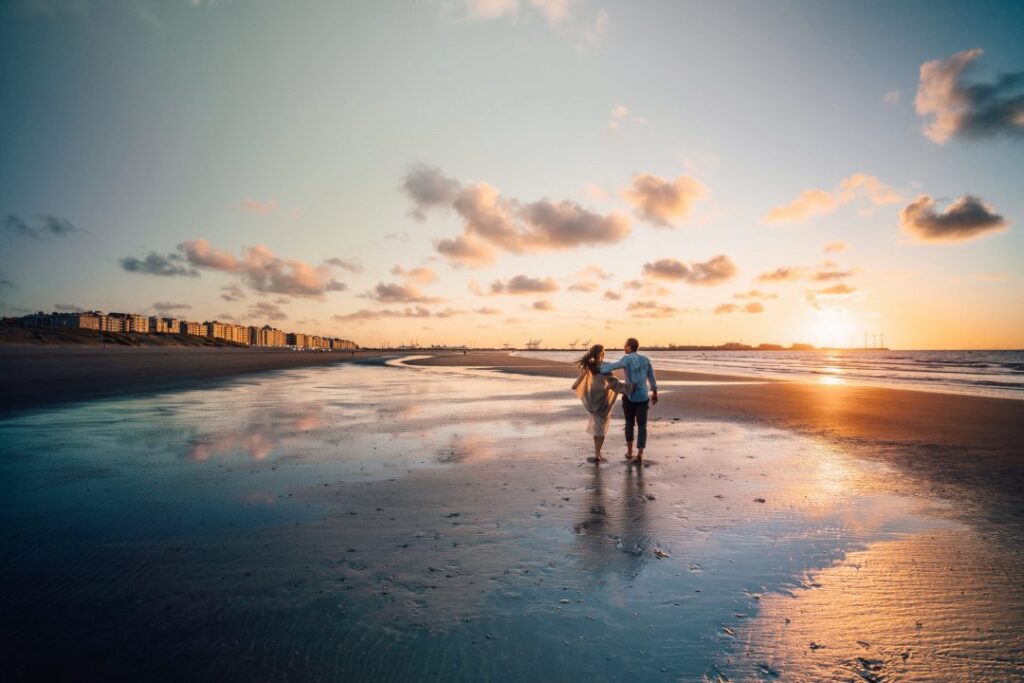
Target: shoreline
(41, 377)
(853, 412)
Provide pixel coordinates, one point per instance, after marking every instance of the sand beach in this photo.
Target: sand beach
(437, 519)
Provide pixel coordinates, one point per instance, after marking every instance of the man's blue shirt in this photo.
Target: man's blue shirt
(638, 372)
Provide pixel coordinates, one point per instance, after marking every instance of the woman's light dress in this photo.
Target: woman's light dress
(598, 394)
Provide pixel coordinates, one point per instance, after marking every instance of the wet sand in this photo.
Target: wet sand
(36, 376)
(990, 426)
(447, 526)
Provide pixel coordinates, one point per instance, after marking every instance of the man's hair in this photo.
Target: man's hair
(633, 344)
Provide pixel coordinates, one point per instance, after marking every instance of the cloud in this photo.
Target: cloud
(756, 295)
(428, 188)
(487, 311)
(491, 9)
(523, 284)
(965, 219)
(752, 307)
(155, 264)
(166, 306)
(267, 310)
(351, 265)
(809, 203)
(817, 202)
(365, 314)
(835, 247)
(45, 226)
(465, 250)
(543, 305)
(232, 293)
(650, 309)
(782, 274)
(204, 255)
(399, 293)
(583, 287)
(955, 107)
(662, 202)
(491, 221)
(260, 207)
(560, 15)
(68, 308)
(593, 271)
(620, 115)
(829, 271)
(563, 225)
(892, 97)
(715, 271)
(422, 275)
(610, 295)
(991, 277)
(840, 290)
(837, 291)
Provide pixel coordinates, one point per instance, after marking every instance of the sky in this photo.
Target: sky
(486, 172)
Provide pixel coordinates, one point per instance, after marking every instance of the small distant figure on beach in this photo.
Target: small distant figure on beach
(597, 392)
(636, 401)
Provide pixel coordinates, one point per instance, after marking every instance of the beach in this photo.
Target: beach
(436, 518)
(41, 376)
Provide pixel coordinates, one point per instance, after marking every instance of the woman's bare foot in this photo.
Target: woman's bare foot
(598, 458)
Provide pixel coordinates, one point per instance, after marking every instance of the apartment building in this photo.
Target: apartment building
(191, 327)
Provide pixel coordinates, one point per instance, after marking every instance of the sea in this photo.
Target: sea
(978, 373)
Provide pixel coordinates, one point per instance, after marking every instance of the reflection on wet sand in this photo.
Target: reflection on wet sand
(451, 529)
(612, 532)
(927, 606)
(258, 433)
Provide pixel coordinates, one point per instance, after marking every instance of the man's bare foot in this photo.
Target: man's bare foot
(640, 456)
(629, 455)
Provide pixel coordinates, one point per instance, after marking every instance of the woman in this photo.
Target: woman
(597, 392)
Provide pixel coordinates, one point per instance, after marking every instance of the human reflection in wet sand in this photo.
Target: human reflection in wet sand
(613, 534)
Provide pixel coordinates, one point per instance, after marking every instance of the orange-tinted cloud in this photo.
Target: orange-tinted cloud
(752, 307)
(662, 202)
(817, 202)
(756, 295)
(955, 107)
(715, 271)
(394, 292)
(491, 221)
(965, 219)
(422, 275)
(524, 284)
(650, 309)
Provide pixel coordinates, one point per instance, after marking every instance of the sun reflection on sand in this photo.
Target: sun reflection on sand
(928, 606)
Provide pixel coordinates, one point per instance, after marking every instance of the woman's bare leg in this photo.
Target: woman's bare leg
(598, 443)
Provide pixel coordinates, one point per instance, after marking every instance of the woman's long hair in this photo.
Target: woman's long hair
(591, 359)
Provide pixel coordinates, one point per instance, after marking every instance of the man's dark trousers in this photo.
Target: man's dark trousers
(636, 413)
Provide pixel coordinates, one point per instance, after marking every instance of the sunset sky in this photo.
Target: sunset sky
(487, 171)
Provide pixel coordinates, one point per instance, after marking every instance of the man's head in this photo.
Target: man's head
(631, 345)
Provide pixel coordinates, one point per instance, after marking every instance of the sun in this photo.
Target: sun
(832, 328)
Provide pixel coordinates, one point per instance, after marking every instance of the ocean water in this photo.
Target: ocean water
(977, 373)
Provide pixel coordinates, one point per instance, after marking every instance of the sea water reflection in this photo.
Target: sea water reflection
(392, 523)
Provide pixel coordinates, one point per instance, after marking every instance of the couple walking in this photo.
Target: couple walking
(597, 390)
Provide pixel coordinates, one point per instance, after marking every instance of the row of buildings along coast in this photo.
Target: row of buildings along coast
(249, 335)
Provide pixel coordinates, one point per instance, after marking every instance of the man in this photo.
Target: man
(640, 374)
